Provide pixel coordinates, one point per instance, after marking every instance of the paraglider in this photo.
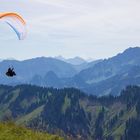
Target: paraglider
(16, 22)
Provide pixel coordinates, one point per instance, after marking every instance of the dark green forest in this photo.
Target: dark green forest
(73, 114)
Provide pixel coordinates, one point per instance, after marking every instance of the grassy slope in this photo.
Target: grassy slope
(9, 131)
(26, 118)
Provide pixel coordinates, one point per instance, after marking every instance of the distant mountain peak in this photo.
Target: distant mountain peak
(130, 54)
(60, 57)
(132, 50)
(74, 61)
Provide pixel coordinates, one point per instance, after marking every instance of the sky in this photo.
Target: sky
(86, 28)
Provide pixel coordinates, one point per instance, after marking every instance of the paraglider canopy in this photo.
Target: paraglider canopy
(16, 22)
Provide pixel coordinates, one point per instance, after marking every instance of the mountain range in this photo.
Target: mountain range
(99, 77)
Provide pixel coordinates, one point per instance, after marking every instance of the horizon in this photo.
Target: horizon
(59, 57)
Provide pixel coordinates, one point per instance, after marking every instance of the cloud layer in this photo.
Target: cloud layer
(86, 28)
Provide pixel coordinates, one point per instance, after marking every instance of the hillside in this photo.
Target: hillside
(9, 131)
(116, 83)
(69, 112)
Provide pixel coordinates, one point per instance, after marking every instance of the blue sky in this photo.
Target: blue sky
(86, 28)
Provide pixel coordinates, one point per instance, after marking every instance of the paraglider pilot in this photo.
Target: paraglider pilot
(10, 72)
